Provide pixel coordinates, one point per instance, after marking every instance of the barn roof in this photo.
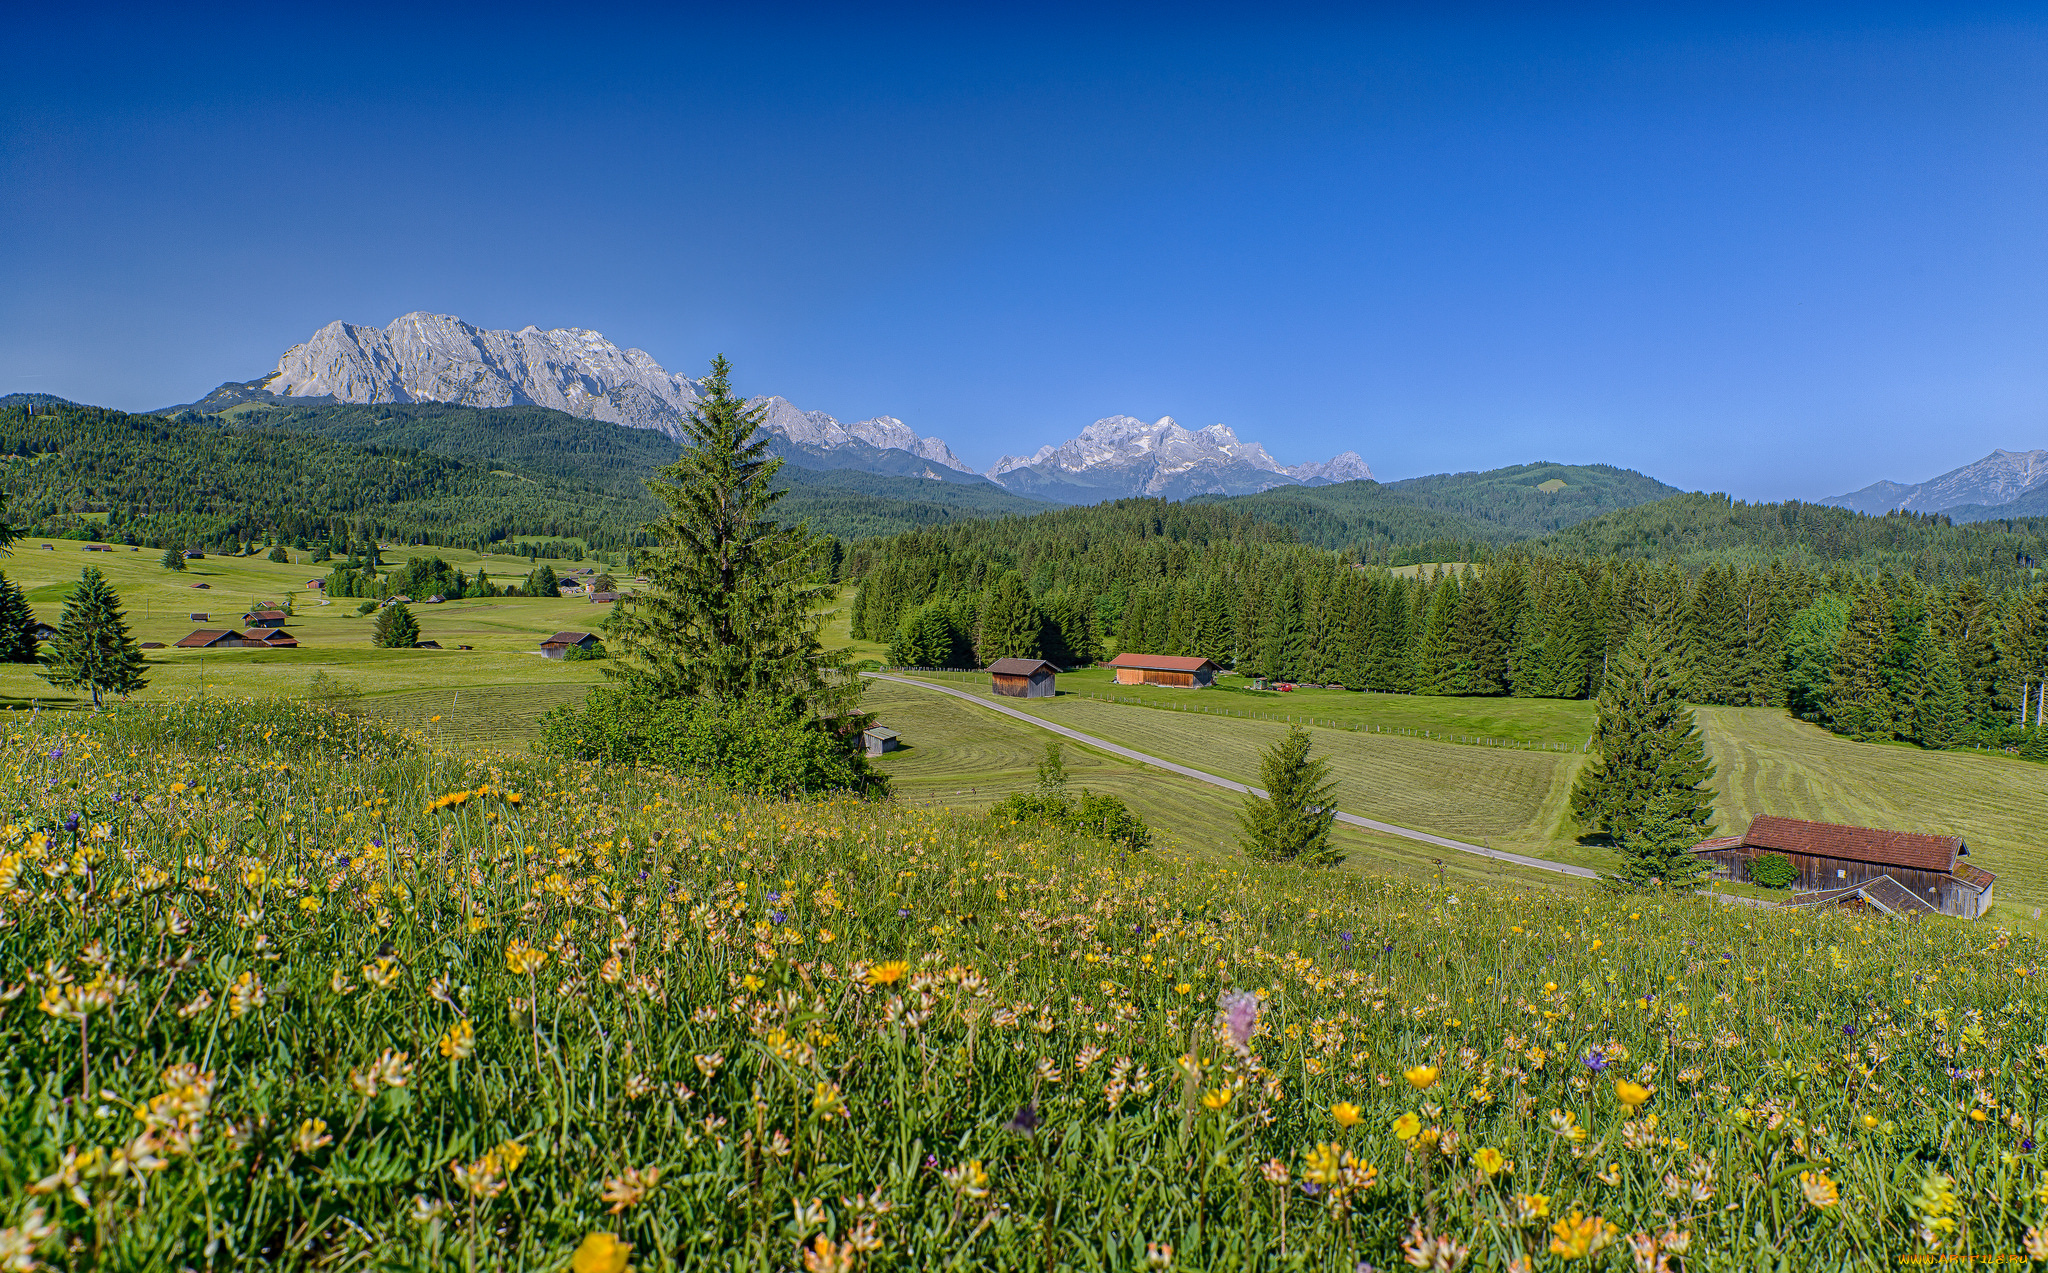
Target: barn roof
(1162, 662)
(569, 638)
(1852, 844)
(209, 636)
(1020, 667)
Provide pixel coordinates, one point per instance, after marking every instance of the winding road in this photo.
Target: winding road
(1349, 819)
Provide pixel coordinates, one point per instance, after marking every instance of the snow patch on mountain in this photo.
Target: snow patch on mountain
(1122, 456)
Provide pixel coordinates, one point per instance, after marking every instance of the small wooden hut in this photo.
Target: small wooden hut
(561, 642)
(1180, 671)
(1022, 678)
(878, 739)
(1898, 872)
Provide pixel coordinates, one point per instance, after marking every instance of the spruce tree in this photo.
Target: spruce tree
(1437, 652)
(735, 600)
(17, 625)
(173, 558)
(1941, 709)
(93, 650)
(1292, 822)
(1644, 787)
(1859, 692)
(1479, 659)
(542, 582)
(395, 628)
(1009, 622)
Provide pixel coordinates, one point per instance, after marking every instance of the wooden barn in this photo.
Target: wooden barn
(560, 643)
(1181, 671)
(876, 739)
(1898, 872)
(265, 618)
(214, 639)
(1022, 678)
(272, 639)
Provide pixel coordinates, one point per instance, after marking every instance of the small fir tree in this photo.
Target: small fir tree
(17, 625)
(279, 555)
(173, 558)
(543, 583)
(1292, 822)
(93, 650)
(395, 628)
(1645, 787)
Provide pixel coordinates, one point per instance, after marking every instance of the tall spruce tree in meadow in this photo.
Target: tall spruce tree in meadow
(1478, 659)
(17, 625)
(1009, 622)
(1972, 622)
(395, 628)
(735, 600)
(1646, 784)
(1715, 629)
(173, 558)
(1860, 700)
(1292, 822)
(93, 650)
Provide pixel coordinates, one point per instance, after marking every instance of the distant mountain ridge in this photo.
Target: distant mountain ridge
(1122, 457)
(1999, 478)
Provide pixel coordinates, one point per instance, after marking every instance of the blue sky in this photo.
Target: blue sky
(1777, 253)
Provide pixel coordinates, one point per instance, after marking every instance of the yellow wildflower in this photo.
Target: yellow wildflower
(1819, 1190)
(1578, 1237)
(1630, 1094)
(1406, 1126)
(1346, 1114)
(1323, 1165)
(1217, 1099)
(600, 1253)
(1421, 1078)
(1531, 1207)
(887, 974)
(523, 959)
(1489, 1161)
(458, 1041)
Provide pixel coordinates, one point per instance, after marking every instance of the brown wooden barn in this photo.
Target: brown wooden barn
(560, 643)
(1183, 671)
(1022, 678)
(1898, 872)
(214, 639)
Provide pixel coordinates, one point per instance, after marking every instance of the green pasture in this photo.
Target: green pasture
(1501, 797)
(960, 756)
(1768, 762)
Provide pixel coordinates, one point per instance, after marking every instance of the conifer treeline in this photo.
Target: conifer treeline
(1870, 654)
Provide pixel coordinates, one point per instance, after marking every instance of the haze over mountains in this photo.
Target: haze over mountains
(421, 357)
(1991, 487)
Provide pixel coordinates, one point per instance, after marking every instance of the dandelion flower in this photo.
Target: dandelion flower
(600, 1253)
(1346, 1114)
(887, 974)
(1421, 1078)
(1406, 1126)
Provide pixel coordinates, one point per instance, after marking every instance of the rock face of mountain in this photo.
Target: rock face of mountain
(1999, 478)
(823, 433)
(438, 358)
(1120, 457)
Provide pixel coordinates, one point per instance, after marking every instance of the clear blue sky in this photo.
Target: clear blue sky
(1777, 254)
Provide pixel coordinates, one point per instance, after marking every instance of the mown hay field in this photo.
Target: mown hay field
(1770, 762)
(334, 998)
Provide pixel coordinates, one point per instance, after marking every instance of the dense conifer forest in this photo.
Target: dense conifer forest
(1954, 656)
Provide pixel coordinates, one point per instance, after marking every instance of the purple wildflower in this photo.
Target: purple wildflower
(1595, 1060)
(774, 897)
(2027, 1145)
(902, 912)
(1239, 1012)
(777, 917)
(1311, 1188)
(1025, 1121)
(56, 753)
(71, 823)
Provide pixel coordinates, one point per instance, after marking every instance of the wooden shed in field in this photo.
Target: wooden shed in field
(562, 642)
(1182, 671)
(1022, 678)
(876, 739)
(1898, 872)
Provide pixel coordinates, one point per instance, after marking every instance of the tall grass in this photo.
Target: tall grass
(285, 990)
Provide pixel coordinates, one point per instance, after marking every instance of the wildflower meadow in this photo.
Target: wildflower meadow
(282, 989)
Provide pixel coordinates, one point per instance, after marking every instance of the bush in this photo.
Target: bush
(752, 745)
(1100, 817)
(579, 654)
(1772, 870)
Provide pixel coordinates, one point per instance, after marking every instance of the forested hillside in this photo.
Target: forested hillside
(845, 503)
(1947, 661)
(1445, 517)
(89, 472)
